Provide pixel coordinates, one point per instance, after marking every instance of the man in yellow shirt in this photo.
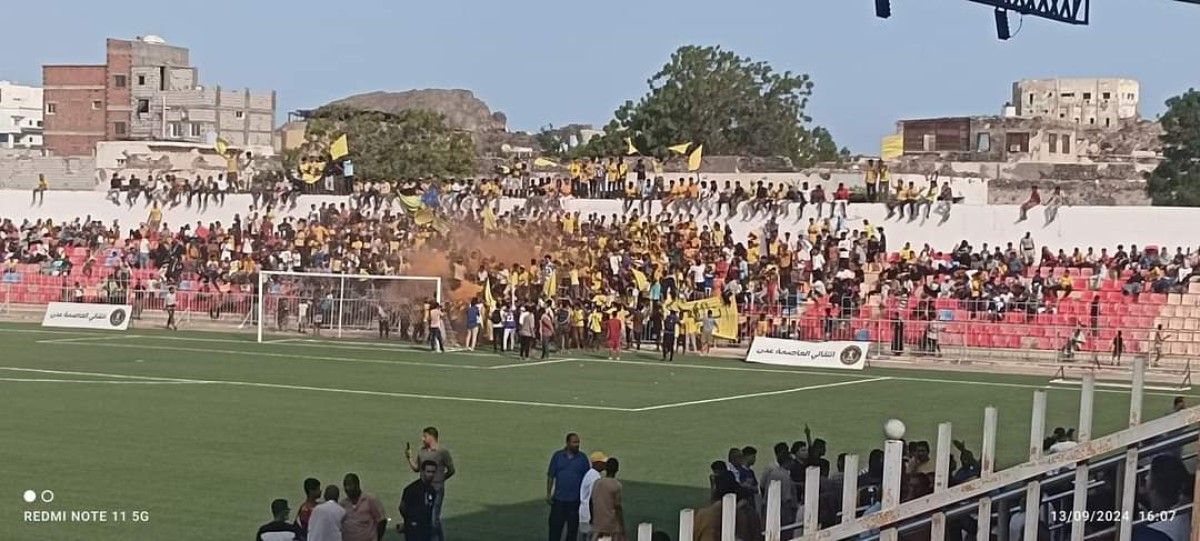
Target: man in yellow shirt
(39, 193)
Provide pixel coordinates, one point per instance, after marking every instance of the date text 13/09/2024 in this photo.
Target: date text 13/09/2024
(97, 516)
(1068, 515)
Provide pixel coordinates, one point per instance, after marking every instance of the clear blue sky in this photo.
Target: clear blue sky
(559, 62)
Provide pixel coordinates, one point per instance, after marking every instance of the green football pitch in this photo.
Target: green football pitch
(201, 431)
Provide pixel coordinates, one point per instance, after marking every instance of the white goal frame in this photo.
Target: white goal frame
(265, 276)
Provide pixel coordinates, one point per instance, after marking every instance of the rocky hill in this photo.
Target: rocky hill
(463, 111)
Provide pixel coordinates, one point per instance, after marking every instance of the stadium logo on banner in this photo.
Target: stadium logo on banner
(851, 355)
(117, 317)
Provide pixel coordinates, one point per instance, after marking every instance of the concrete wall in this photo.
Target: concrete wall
(19, 170)
(146, 158)
(1076, 226)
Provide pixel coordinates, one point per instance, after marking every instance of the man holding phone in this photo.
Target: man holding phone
(432, 451)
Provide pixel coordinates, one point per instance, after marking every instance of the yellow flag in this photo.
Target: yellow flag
(695, 158)
(411, 203)
(543, 162)
(221, 146)
(340, 148)
(680, 149)
(892, 147)
(489, 303)
(550, 288)
(639, 278)
(632, 149)
(489, 218)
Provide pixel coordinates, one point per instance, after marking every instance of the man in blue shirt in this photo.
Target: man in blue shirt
(563, 479)
(473, 316)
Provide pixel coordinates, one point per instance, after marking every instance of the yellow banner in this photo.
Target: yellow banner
(543, 162)
(892, 147)
(312, 172)
(725, 314)
(411, 203)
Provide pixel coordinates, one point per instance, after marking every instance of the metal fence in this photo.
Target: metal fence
(1065, 483)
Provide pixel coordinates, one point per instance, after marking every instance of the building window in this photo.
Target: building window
(1070, 95)
(121, 162)
(1018, 141)
(1092, 121)
(96, 104)
(143, 106)
(983, 142)
(141, 80)
(119, 81)
(174, 130)
(1066, 144)
(195, 129)
(119, 128)
(1053, 143)
(51, 108)
(1107, 122)
(239, 114)
(1087, 96)
(1031, 99)
(1106, 96)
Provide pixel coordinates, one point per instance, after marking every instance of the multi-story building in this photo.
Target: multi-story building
(1101, 103)
(20, 116)
(147, 90)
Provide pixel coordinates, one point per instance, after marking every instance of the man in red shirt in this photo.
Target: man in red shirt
(613, 328)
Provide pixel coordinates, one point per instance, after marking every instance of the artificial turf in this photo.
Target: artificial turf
(203, 430)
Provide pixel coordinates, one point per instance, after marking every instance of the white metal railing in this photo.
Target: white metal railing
(1022, 482)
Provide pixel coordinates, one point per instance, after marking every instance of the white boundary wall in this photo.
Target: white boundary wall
(1098, 227)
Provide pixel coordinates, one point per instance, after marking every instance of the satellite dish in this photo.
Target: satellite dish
(506, 148)
(154, 39)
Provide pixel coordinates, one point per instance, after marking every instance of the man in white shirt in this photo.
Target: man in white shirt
(325, 523)
(599, 462)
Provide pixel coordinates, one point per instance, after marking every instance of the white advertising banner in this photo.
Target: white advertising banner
(842, 355)
(73, 315)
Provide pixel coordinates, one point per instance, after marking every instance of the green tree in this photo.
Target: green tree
(729, 103)
(414, 143)
(1176, 181)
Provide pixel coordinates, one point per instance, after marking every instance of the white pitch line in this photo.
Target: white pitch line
(535, 363)
(758, 395)
(93, 374)
(333, 390)
(86, 339)
(278, 355)
(99, 381)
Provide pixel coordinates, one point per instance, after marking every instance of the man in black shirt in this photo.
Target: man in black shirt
(279, 529)
(416, 505)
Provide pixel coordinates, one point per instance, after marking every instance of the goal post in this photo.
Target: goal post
(339, 305)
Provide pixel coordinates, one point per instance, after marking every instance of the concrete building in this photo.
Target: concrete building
(147, 90)
(20, 116)
(1100, 103)
(994, 139)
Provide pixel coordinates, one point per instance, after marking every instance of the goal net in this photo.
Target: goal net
(295, 304)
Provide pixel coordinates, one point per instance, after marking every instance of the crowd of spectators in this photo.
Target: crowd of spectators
(633, 261)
